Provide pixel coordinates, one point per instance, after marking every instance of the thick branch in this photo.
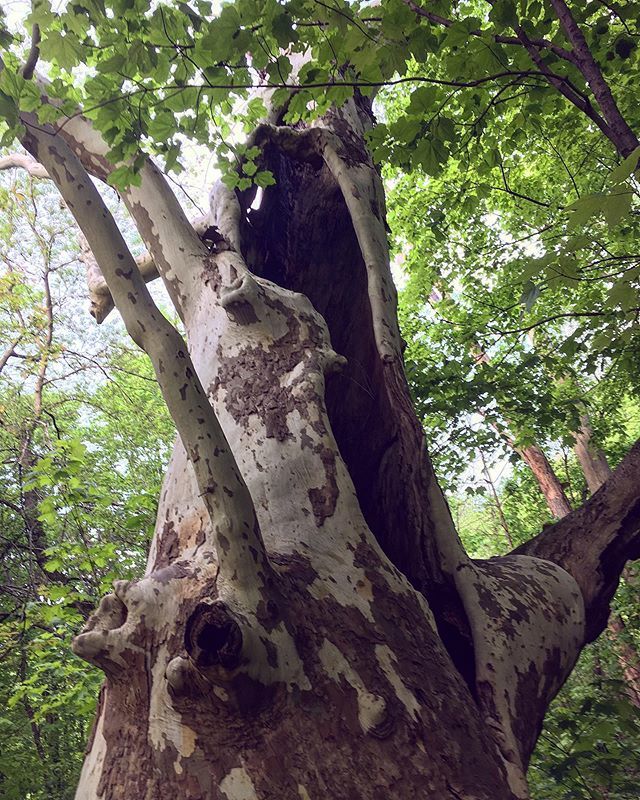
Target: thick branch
(593, 461)
(174, 246)
(624, 138)
(547, 480)
(594, 542)
(359, 184)
(99, 292)
(34, 54)
(564, 86)
(238, 542)
(9, 352)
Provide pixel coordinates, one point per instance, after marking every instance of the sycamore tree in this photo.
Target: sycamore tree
(309, 624)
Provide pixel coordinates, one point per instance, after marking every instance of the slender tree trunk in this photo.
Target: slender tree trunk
(592, 460)
(547, 480)
(496, 502)
(627, 658)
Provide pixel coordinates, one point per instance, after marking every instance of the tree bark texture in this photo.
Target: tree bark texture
(597, 471)
(309, 625)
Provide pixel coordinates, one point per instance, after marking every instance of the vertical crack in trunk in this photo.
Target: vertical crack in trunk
(314, 249)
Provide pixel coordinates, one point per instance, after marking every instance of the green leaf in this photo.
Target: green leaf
(621, 294)
(616, 207)
(122, 177)
(163, 126)
(8, 109)
(583, 209)
(282, 28)
(63, 48)
(264, 178)
(422, 100)
(112, 64)
(249, 168)
(625, 169)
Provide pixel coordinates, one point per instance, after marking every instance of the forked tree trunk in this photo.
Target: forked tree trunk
(309, 625)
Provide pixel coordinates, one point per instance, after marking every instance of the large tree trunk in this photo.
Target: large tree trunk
(309, 625)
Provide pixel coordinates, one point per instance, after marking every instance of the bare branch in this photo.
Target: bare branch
(34, 54)
(22, 161)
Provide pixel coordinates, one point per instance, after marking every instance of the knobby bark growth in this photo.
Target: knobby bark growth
(309, 624)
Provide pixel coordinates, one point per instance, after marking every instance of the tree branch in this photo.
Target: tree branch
(22, 161)
(9, 352)
(34, 54)
(564, 86)
(99, 294)
(174, 246)
(567, 315)
(436, 19)
(594, 542)
(239, 546)
(624, 139)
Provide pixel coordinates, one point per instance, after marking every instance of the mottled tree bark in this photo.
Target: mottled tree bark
(309, 625)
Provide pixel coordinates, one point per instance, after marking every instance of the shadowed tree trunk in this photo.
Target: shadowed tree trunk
(309, 625)
(597, 471)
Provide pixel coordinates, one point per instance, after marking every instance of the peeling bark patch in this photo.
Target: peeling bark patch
(273, 395)
(237, 785)
(351, 147)
(242, 313)
(170, 546)
(324, 499)
(146, 228)
(211, 275)
(527, 624)
(125, 723)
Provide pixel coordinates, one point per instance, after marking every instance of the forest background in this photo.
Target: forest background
(514, 228)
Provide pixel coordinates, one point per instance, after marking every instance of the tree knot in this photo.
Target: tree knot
(213, 636)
